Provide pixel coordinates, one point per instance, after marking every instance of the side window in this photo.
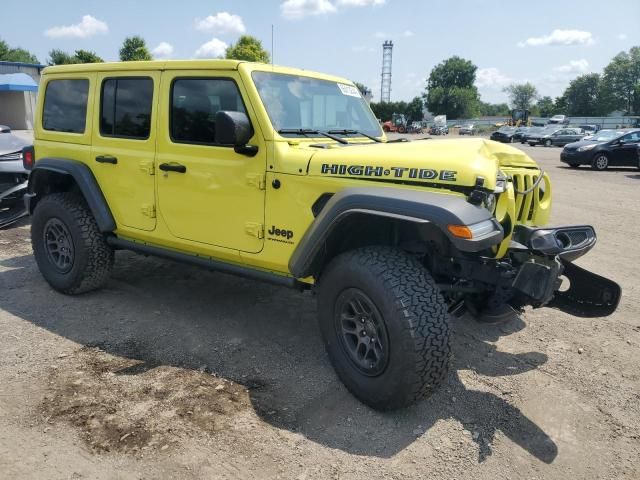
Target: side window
(125, 107)
(194, 104)
(631, 138)
(65, 105)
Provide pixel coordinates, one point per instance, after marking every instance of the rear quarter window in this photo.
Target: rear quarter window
(65, 105)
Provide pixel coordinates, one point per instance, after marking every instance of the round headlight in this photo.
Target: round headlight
(490, 201)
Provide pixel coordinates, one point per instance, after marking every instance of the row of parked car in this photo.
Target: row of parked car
(550, 135)
(583, 145)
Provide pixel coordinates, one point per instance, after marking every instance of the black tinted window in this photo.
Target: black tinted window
(125, 107)
(65, 105)
(194, 104)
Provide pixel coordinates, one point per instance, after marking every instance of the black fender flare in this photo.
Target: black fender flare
(84, 179)
(411, 205)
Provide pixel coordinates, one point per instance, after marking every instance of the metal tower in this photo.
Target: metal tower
(385, 84)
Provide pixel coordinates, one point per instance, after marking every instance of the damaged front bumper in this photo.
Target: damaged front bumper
(543, 276)
(537, 271)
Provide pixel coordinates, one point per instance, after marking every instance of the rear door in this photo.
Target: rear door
(123, 145)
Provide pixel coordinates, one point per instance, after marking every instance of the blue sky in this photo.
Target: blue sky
(544, 41)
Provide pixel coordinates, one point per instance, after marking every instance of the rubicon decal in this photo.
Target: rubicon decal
(394, 172)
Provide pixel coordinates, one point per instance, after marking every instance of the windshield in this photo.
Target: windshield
(302, 103)
(605, 135)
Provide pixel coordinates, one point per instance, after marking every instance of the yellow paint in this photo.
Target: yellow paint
(225, 205)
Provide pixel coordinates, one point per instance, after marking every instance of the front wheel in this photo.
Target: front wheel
(547, 143)
(600, 162)
(71, 252)
(385, 326)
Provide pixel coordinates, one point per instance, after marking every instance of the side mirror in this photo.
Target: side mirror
(232, 128)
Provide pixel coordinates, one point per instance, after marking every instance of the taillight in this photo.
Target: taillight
(28, 157)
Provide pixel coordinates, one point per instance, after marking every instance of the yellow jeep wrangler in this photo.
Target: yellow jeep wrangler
(285, 176)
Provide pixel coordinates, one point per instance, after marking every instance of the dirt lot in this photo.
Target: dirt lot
(175, 372)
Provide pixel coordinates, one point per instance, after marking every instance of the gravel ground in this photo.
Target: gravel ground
(175, 372)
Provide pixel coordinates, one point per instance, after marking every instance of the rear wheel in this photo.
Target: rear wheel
(600, 162)
(71, 252)
(385, 326)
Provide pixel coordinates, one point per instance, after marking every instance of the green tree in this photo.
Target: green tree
(415, 110)
(60, 57)
(385, 110)
(494, 109)
(15, 54)
(583, 96)
(134, 49)
(545, 107)
(621, 82)
(248, 48)
(450, 89)
(87, 56)
(522, 95)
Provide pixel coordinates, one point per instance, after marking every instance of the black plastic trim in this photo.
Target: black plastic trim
(206, 262)
(415, 206)
(85, 180)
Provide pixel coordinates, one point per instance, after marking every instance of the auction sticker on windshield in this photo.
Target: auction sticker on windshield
(349, 90)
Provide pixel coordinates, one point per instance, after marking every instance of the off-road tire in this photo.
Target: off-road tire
(92, 257)
(414, 316)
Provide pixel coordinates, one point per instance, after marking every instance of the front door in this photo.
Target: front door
(626, 152)
(123, 145)
(209, 194)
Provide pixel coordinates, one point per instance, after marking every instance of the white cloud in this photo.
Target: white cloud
(492, 77)
(360, 3)
(408, 33)
(294, 9)
(214, 48)
(163, 50)
(87, 27)
(622, 36)
(574, 66)
(221, 23)
(560, 37)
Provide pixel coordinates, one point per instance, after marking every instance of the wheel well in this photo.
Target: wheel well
(45, 182)
(360, 230)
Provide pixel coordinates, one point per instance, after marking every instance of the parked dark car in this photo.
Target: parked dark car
(504, 134)
(468, 129)
(608, 148)
(520, 133)
(558, 137)
(531, 131)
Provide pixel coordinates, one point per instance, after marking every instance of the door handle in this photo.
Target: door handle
(106, 159)
(172, 167)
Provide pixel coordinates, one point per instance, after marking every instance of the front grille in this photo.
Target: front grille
(11, 156)
(526, 203)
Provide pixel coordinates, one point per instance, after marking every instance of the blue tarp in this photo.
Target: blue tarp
(17, 82)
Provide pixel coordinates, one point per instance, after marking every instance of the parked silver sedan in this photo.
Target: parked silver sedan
(13, 177)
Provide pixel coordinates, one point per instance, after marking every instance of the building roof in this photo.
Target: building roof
(17, 82)
(22, 64)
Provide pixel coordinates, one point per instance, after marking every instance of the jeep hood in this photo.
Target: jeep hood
(457, 162)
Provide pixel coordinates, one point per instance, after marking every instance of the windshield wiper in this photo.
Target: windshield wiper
(356, 132)
(310, 131)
